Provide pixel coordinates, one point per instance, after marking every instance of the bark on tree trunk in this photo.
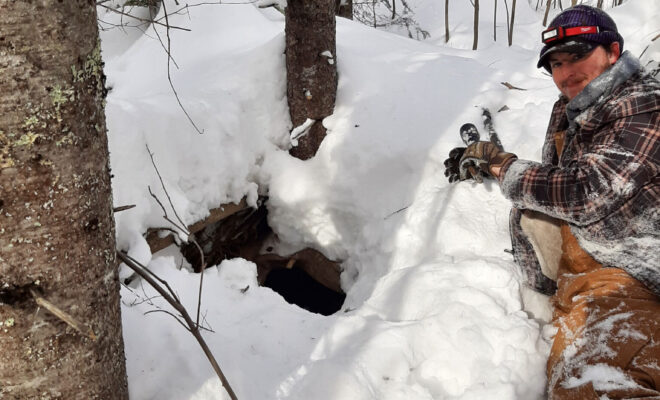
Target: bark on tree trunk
(57, 240)
(311, 68)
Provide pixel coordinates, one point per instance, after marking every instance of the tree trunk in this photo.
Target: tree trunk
(311, 67)
(513, 21)
(61, 331)
(344, 8)
(495, 22)
(446, 21)
(547, 11)
(476, 25)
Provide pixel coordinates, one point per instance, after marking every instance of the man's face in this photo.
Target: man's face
(572, 72)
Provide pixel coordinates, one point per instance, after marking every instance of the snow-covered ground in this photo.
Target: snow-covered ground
(435, 307)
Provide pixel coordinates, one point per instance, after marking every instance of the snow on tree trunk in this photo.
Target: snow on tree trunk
(60, 332)
(311, 68)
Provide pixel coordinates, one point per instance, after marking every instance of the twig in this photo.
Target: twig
(183, 229)
(172, 293)
(166, 217)
(192, 327)
(169, 75)
(162, 184)
(201, 278)
(396, 212)
(171, 315)
(123, 208)
(147, 21)
(211, 3)
(64, 316)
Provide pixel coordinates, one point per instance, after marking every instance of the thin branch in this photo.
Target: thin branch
(213, 3)
(162, 184)
(170, 314)
(169, 75)
(184, 229)
(164, 282)
(147, 21)
(165, 216)
(397, 211)
(123, 208)
(193, 328)
(201, 279)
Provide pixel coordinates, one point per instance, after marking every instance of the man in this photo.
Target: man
(585, 225)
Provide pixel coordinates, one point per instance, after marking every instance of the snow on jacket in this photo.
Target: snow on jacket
(606, 184)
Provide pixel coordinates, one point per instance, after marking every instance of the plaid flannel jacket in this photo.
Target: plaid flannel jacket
(606, 184)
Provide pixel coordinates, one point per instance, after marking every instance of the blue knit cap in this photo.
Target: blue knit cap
(581, 16)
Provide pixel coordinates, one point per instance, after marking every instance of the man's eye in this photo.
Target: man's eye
(555, 64)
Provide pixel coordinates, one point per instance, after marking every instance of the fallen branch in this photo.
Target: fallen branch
(510, 86)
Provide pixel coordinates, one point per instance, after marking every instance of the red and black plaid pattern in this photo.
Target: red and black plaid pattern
(606, 184)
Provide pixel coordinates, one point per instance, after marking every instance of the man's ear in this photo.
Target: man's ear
(614, 53)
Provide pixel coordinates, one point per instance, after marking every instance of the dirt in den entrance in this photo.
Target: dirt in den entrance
(306, 278)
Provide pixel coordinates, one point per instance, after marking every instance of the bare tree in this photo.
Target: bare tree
(59, 289)
(510, 21)
(547, 11)
(495, 22)
(476, 25)
(311, 69)
(446, 21)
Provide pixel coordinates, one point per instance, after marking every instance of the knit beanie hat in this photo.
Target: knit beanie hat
(592, 27)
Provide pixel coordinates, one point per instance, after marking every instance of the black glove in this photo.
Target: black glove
(452, 167)
(483, 156)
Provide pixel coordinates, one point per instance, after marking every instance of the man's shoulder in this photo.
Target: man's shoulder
(639, 94)
(640, 84)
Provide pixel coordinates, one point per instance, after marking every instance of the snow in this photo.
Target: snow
(435, 308)
(603, 377)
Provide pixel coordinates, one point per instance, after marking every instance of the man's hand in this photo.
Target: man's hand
(452, 167)
(452, 170)
(485, 156)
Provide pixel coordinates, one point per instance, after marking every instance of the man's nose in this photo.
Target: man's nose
(563, 71)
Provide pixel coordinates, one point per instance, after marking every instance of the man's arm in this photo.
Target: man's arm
(623, 158)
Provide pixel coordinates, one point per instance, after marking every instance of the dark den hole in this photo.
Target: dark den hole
(300, 289)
